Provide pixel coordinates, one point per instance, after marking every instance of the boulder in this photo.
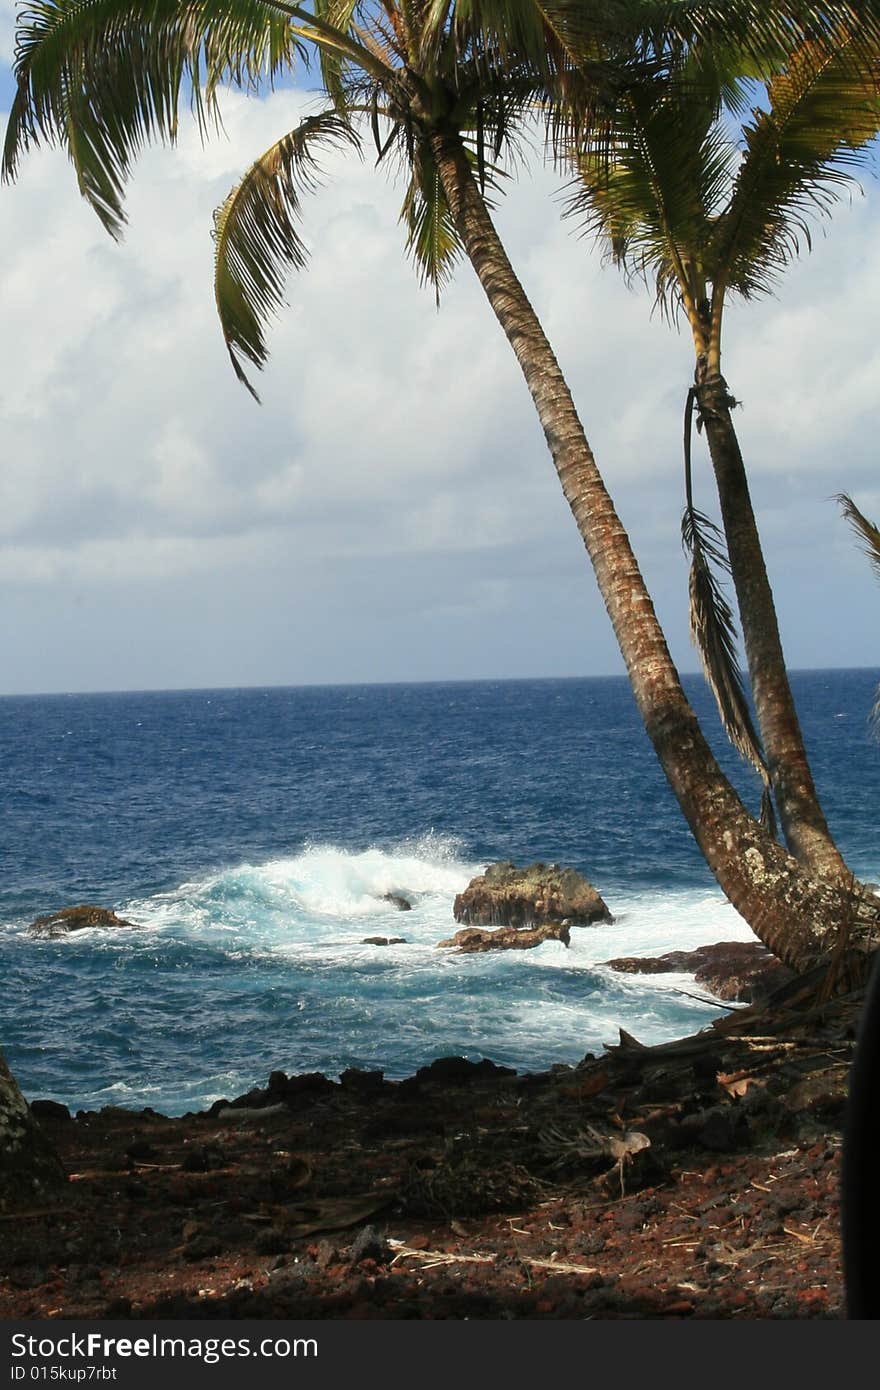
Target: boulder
(396, 900)
(740, 972)
(71, 919)
(505, 896)
(384, 941)
(506, 938)
(460, 1071)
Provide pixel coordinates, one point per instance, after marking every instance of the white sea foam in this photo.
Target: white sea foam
(321, 903)
(275, 953)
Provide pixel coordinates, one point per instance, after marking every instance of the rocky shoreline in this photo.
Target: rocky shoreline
(698, 1179)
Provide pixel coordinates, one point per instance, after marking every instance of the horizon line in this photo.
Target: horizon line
(377, 684)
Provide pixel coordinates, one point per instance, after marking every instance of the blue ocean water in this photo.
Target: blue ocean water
(252, 833)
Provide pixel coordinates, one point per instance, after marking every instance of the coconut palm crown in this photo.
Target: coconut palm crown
(105, 77)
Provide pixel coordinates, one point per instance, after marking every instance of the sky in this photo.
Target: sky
(389, 512)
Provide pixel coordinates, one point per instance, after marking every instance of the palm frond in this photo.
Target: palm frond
(650, 184)
(256, 235)
(800, 156)
(432, 238)
(869, 536)
(103, 78)
(867, 532)
(713, 634)
(339, 14)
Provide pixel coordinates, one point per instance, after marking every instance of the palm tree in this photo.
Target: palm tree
(445, 88)
(711, 199)
(29, 1167)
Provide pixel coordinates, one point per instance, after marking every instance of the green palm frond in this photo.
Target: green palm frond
(557, 33)
(649, 186)
(103, 78)
(256, 234)
(339, 14)
(432, 239)
(800, 156)
(867, 532)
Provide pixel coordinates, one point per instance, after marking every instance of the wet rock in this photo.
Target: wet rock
(384, 941)
(71, 919)
(736, 971)
(473, 939)
(396, 900)
(506, 896)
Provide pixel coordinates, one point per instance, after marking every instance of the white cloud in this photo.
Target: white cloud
(396, 445)
(7, 30)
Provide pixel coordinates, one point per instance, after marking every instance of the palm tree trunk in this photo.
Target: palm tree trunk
(29, 1167)
(800, 814)
(793, 914)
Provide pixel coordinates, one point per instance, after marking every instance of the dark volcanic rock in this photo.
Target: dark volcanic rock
(363, 1083)
(737, 971)
(384, 941)
(69, 919)
(471, 939)
(402, 904)
(459, 1071)
(50, 1110)
(506, 896)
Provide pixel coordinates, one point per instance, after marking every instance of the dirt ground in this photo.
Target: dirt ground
(694, 1180)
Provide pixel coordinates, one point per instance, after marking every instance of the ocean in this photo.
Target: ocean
(251, 834)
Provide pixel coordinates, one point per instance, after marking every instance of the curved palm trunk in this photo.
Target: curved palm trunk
(800, 814)
(792, 913)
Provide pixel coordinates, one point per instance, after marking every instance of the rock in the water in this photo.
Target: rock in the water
(507, 938)
(505, 896)
(396, 900)
(70, 919)
(740, 972)
(384, 941)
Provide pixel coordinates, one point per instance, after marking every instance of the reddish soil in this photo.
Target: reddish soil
(695, 1180)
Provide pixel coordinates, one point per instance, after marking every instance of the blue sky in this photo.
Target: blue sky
(390, 511)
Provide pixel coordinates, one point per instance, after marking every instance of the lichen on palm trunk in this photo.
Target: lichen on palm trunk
(29, 1166)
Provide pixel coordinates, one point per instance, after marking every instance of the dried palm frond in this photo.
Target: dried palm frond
(867, 532)
(869, 537)
(713, 631)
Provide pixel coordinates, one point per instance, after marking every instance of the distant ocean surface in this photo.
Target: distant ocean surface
(252, 833)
